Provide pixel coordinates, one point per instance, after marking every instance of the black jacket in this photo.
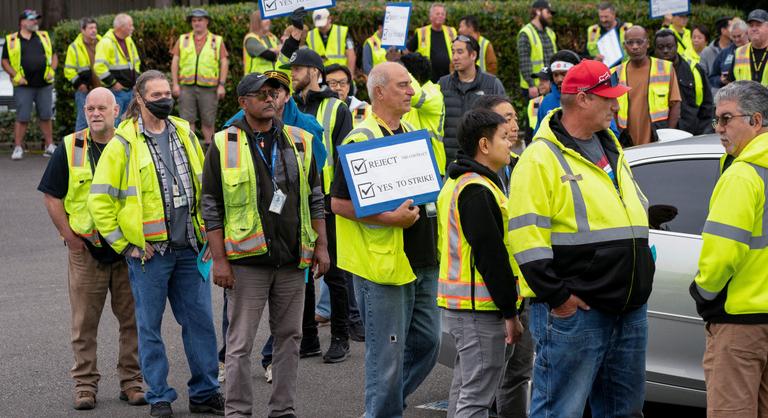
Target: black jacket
(612, 276)
(459, 98)
(694, 119)
(484, 230)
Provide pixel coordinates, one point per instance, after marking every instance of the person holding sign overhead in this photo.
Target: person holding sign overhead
(606, 12)
(393, 259)
(434, 41)
(332, 42)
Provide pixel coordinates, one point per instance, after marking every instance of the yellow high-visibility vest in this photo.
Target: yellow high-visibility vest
(537, 50)
(334, 51)
(378, 54)
(13, 44)
(424, 38)
(199, 69)
(259, 64)
(742, 68)
(79, 186)
(658, 92)
(77, 61)
(593, 35)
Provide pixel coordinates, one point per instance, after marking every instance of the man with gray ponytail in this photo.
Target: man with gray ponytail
(731, 287)
(145, 202)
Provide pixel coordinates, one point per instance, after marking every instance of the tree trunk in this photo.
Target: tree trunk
(163, 3)
(53, 12)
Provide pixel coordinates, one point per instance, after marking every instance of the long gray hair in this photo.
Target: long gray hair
(134, 109)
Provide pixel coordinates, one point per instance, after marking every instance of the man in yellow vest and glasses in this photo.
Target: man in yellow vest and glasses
(373, 53)
(145, 201)
(265, 218)
(393, 259)
(606, 13)
(654, 100)
(749, 60)
(30, 61)
(117, 61)
(476, 284)
(696, 107)
(260, 46)
(579, 232)
(434, 41)
(199, 72)
(78, 66)
(536, 43)
(332, 42)
(731, 285)
(486, 57)
(95, 269)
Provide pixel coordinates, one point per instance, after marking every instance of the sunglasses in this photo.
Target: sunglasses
(263, 94)
(607, 82)
(724, 119)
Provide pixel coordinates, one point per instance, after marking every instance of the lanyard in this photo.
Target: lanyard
(270, 168)
(382, 123)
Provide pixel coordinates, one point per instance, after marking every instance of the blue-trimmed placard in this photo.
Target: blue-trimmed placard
(395, 29)
(659, 8)
(271, 9)
(382, 173)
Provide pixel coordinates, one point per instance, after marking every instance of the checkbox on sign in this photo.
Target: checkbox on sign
(358, 166)
(366, 190)
(270, 5)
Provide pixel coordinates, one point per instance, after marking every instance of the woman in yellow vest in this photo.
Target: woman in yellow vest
(260, 46)
(476, 283)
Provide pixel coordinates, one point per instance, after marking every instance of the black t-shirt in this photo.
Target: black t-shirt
(420, 240)
(32, 60)
(438, 54)
(55, 182)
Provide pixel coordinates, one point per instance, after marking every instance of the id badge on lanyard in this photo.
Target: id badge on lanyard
(179, 199)
(278, 197)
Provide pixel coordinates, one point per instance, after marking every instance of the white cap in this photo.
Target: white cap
(320, 17)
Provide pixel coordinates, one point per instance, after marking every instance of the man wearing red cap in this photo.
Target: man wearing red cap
(580, 239)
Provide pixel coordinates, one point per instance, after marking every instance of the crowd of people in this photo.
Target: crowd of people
(532, 246)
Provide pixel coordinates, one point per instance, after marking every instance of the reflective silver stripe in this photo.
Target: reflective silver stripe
(463, 290)
(533, 254)
(601, 235)
(78, 154)
(707, 295)
(102, 61)
(153, 228)
(435, 136)
(422, 99)
(338, 44)
(762, 241)
(454, 246)
(127, 147)
(365, 131)
(373, 226)
(408, 127)
(327, 134)
(233, 148)
(120, 67)
(113, 191)
(579, 206)
(114, 236)
(529, 219)
(247, 245)
(727, 231)
(481, 53)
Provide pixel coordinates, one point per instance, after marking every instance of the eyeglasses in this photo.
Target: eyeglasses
(462, 38)
(337, 83)
(263, 94)
(606, 82)
(634, 41)
(724, 119)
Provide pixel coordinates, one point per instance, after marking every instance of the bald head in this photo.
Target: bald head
(637, 30)
(636, 44)
(101, 110)
(389, 87)
(380, 76)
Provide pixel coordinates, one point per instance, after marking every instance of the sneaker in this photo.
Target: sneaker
(213, 405)
(310, 348)
(268, 373)
(222, 373)
(85, 400)
(134, 396)
(357, 331)
(338, 351)
(49, 150)
(18, 153)
(161, 409)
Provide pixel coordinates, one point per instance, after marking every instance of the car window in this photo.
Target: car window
(678, 192)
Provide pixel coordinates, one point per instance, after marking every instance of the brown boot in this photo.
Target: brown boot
(85, 400)
(134, 396)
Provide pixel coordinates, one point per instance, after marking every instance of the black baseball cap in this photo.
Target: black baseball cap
(305, 57)
(757, 15)
(30, 14)
(542, 4)
(254, 81)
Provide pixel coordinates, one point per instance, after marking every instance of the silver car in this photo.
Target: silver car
(677, 177)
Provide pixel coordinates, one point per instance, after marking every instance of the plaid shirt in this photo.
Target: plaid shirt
(184, 175)
(524, 54)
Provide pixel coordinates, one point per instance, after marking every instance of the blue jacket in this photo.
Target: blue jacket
(552, 101)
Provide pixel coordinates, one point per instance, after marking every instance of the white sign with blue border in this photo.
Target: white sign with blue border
(395, 28)
(382, 173)
(659, 8)
(271, 9)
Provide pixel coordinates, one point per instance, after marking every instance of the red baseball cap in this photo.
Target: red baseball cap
(594, 77)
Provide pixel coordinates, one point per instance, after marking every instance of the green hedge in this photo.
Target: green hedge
(157, 30)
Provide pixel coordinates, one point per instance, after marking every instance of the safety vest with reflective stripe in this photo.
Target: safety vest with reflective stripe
(424, 38)
(373, 252)
(537, 50)
(428, 112)
(593, 35)
(658, 92)
(378, 54)
(484, 43)
(77, 61)
(110, 57)
(126, 199)
(460, 285)
(243, 230)
(570, 201)
(79, 185)
(734, 252)
(533, 110)
(742, 67)
(14, 55)
(199, 69)
(698, 84)
(326, 116)
(259, 64)
(685, 44)
(334, 51)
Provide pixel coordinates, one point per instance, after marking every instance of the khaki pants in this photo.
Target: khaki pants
(255, 286)
(194, 100)
(89, 283)
(735, 370)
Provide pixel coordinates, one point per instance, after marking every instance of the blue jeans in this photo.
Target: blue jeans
(589, 355)
(323, 307)
(402, 338)
(80, 123)
(123, 97)
(174, 277)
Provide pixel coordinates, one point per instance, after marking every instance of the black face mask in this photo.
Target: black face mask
(160, 108)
